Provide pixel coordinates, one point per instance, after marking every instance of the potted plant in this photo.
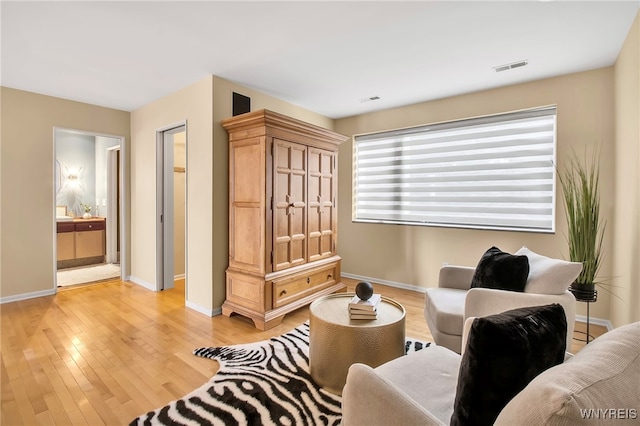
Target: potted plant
(87, 210)
(580, 187)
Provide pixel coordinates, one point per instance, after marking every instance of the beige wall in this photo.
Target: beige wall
(222, 108)
(193, 104)
(413, 254)
(626, 223)
(27, 183)
(203, 104)
(402, 254)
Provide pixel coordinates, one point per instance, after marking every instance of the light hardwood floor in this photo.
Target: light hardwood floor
(108, 352)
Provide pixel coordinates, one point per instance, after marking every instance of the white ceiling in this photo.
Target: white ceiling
(324, 56)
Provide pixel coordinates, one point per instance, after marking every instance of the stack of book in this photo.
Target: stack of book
(364, 309)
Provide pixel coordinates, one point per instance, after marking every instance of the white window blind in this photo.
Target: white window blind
(493, 172)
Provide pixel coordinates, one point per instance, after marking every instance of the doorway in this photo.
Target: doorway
(171, 209)
(88, 207)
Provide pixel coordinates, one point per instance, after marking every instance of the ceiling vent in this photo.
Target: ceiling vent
(369, 99)
(511, 66)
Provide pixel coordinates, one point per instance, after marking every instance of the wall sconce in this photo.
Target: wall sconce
(72, 177)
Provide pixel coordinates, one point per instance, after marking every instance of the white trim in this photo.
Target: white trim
(385, 282)
(595, 321)
(142, 283)
(53, 217)
(112, 203)
(159, 210)
(25, 296)
(179, 277)
(125, 206)
(206, 311)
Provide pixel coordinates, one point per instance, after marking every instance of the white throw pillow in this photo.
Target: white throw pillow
(547, 275)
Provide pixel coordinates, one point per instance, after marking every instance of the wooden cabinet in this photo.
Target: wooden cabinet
(282, 216)
(90, 239)
(66, 241)
(81, 242)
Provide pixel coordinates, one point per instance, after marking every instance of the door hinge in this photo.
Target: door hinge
(161, 218)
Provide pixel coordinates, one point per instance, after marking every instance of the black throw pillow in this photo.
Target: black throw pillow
(504, 353)
(502, 271)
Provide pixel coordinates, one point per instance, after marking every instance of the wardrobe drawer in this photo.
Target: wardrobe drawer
(289, 289)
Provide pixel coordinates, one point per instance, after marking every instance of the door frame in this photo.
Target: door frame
(164, 246)
(124, 205)
(112, 213)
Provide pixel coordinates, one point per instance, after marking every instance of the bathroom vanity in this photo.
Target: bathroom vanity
(81, 242)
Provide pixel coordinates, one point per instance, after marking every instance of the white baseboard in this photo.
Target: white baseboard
(385, 282)
(25, 296)
(179, 277)
(206, 311)
(595, 321)
(142, 283)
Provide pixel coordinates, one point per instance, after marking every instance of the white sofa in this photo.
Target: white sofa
(449, 305)
(420, 388)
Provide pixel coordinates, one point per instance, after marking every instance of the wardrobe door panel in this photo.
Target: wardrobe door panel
(290, 204)
(246, 205)
(321, 213)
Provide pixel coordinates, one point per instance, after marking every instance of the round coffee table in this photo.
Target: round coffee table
(336, 341)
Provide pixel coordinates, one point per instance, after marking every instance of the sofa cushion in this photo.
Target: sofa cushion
(598, 385)
(548, 275)
(445, 306)
(436, 389)
(504, 353)
(500, 270)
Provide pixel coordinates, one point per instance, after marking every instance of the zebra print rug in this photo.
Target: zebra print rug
(262, 383)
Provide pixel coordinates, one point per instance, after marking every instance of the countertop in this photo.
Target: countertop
(78, 219)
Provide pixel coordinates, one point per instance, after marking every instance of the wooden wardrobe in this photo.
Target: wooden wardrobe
(283, 189)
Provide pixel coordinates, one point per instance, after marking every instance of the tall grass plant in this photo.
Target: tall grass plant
(585, 234)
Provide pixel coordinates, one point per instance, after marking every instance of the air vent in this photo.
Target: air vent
(369, 99)
(511, 66)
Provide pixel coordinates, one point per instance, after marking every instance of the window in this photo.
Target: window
(494, 172)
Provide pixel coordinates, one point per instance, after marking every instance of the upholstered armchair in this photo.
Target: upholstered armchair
(453, 301)
(428, 387)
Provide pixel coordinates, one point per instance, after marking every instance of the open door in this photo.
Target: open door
(171, 206)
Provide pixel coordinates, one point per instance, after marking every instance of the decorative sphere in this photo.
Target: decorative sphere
(364, 290)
